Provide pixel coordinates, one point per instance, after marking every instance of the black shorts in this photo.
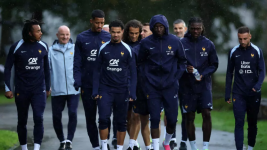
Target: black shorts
(197, 101)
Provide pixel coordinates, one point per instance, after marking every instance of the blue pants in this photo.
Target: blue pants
(38, 101)
(251, 105)
(58, 105)
(183, 127)
(105, 104)
(90, 108)
(169, 99)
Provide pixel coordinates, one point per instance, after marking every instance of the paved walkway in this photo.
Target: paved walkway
(8, 120)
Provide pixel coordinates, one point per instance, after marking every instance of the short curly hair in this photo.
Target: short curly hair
(135, 24)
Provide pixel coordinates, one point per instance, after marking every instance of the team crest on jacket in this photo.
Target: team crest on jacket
(103, 42)
(122, 53)
(252, 55)
(186, 106)
(169, 52)
(39, 51)
(204, 53)
(71, 53)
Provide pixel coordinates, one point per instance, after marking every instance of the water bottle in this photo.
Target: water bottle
(196, 74)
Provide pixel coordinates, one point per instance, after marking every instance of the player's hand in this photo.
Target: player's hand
(48, 93)
(189, 69)
(254, 90)
(97, 96)
(9, 94)
(229, 101)
(130, 99)
(200, 78)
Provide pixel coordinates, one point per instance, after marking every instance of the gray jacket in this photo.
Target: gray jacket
(61, 68)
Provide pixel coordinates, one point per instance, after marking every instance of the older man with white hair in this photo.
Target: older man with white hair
(60, 57)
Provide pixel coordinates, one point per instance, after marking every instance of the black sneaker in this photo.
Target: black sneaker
(62, 146)
(114, 143)
(129, 148)
(173, 145)
(108, 146)
(136, 148)
(183, 146)
(68, 146)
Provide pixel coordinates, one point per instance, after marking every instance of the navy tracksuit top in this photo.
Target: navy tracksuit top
(248, 67)
(30, 60)
(86, 50)
(114, 62)
(200, 54)
(162, 58)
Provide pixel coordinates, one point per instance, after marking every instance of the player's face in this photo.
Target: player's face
(179, 29)
(244, 39)
(97, 24)
(63, 36)
(145, 32)
(116, 34)
(133, 34)
(36, 33)
(196, 29)
(159, 29)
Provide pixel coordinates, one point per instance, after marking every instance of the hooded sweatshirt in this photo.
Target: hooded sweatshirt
(162, 57)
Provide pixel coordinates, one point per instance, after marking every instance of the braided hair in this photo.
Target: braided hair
(197, 20)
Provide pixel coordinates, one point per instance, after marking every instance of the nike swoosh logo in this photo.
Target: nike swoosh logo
(186, 49)
(23, 51)
(237, 55)
(152, 47)
(106, 52)
(87, 43)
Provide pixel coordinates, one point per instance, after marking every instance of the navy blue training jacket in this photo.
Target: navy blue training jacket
(30, 60)
(114, 62)
(86, 50)
(248, 68)
(200, 54)
(162, 58)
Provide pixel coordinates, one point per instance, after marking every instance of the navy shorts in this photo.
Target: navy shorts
(140, 105)
(193, 102)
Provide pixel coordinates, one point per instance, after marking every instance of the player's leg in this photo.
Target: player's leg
(90, 107)
(189, 108)
(73, 102)
(104, 103)
(22, 102)
(58, 105)
(206, 107)
(170, 104)
(183, 124)
(38, 102)
(129, 117)
(252, 117)
(121, 102)
(239, 107)
(114, 139)
(154, 103)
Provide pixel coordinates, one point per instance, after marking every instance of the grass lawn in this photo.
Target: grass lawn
(8, 139)
(4, 100)
(224, 121)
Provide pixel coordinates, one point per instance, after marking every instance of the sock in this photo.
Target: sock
(63, 141)
(96, 148)
(193, 145)
(168, 137)
(119, 147)
(173, 139)
(165, 132)
(148, 147)
(183, 141)
(68, 141)
(24, 147)
(136, 143)
(250, 148)
(131, 143)
(155, 144)
(205, 145)
(104, 144)
(36, 146)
